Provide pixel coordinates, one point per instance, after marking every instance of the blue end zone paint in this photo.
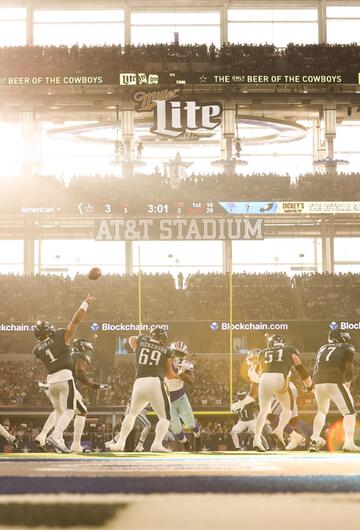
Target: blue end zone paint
(193, 484)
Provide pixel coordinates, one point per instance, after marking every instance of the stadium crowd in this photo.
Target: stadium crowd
(107, 61)
(329, 296)
(136, 192)
(208, 296)
(204, 297)
(30, 298)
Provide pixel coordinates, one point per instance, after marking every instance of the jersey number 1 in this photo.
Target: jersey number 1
(50, 355)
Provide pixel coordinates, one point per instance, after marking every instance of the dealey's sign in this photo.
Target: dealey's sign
(174, 118)
(198, 229)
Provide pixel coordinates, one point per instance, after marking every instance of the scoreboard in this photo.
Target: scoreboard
(187, 208)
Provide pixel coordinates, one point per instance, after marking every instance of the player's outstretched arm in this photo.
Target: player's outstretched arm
(82, 376)
(77, 318)
(304, 374)
(133, 342)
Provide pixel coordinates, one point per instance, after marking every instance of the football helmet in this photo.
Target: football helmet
(252, 356)
(337, 336)
(43, 330)
(82, 346)
(275, 340)
(179, 348)
(158, 334)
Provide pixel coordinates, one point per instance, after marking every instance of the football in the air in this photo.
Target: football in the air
(94, 273)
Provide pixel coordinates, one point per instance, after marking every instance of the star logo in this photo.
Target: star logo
(203, 79)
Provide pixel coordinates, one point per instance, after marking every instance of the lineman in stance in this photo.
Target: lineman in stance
(276, 362)
(246, 422)
(53, 349)
(153, 363)
(334, 370)
(181, 410)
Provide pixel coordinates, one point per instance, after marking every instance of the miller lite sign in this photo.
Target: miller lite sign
(172, 118)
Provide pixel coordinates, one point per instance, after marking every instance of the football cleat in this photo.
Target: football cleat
(296, 439)
(159, 449)
(77, 449)
(279, 440)
(110, 442)
(258, 446)
(114, 448)
(41, 444)
(351, 448)
(315, 447)
(15, 443)
(58, 444)
(139, 448)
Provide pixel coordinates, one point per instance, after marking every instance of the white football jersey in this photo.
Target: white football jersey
(174, 384)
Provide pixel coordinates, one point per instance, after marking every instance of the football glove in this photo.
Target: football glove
(235, 407)
(103, 386)
(186, 366)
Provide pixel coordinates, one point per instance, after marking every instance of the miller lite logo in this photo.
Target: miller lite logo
(174, 118)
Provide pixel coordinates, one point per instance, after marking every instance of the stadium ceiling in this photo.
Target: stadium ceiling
(176, 5)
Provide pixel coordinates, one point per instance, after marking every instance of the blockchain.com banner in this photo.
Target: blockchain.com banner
(188, 229)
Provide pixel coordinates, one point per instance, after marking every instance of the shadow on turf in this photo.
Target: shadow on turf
(48, 515)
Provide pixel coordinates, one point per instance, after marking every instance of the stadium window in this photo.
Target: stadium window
(79, 256)
(69, 27)
(10, 140)
(12, 26)
(12, 257)
(346, 255)
(192, 28)
(342, 24)
(273, 26)
(290, 256)
(189, 257)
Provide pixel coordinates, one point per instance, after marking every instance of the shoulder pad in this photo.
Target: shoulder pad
(292, 349)
(349, 348)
